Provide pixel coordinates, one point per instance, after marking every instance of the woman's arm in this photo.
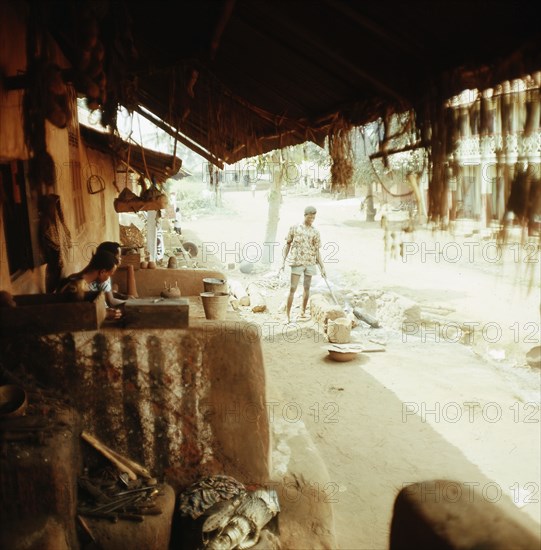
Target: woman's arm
(111, 300)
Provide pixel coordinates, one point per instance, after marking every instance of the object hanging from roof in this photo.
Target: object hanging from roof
(147, 163)
(128, 201)
(253, 76)
(160, 166)
(90, 76)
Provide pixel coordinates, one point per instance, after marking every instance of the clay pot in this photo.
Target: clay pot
(151, 265)
(342, 356)
(172, 263)
(345, 353)
(13, 401)
(171, 293)
(143, 265)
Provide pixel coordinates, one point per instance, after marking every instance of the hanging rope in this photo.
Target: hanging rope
(93, 178)
(398, 195)
(115, 173)
(175, 156)
(129, 152)
(143, 151)
(172, 93)
(128, 164)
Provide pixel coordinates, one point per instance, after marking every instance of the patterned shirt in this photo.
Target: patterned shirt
(305, 242)
(103, 287)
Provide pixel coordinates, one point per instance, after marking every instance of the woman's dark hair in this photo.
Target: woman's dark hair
(109, 246)
(102, 259)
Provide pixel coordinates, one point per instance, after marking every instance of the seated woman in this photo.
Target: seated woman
(112, 298)
(101, 267)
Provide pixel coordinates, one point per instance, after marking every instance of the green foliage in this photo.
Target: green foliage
(194, 198)
(316, 154)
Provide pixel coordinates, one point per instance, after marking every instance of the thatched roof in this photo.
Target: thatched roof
(239, 78)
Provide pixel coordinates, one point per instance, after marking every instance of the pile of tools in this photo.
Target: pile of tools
(126, 492)
(114, 496)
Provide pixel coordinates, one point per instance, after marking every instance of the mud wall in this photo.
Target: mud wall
(150, 282)
(184, 403)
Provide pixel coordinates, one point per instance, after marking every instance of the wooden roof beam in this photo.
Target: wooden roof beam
(219, 163)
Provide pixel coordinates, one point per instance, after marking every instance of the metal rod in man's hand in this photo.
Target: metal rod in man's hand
(330, 290)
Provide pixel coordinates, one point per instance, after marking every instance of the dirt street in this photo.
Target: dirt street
(428, 406)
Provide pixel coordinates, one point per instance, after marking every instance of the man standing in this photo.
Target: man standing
(303, 241)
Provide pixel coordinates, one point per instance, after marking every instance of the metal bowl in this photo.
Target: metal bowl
(212, 284)
(13, 401)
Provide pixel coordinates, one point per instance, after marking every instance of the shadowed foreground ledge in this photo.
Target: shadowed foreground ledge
(441, 515)
(183, 402)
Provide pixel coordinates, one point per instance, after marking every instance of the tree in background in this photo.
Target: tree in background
(288, 167)
(278, 161)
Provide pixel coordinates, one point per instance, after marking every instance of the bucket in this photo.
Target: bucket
(215, 304)
(215, 285)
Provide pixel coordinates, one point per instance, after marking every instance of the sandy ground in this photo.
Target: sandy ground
(428, 406)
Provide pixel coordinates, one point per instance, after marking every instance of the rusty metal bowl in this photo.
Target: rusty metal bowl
(13, 401)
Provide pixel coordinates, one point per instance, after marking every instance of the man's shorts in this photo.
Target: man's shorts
(309, 270)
